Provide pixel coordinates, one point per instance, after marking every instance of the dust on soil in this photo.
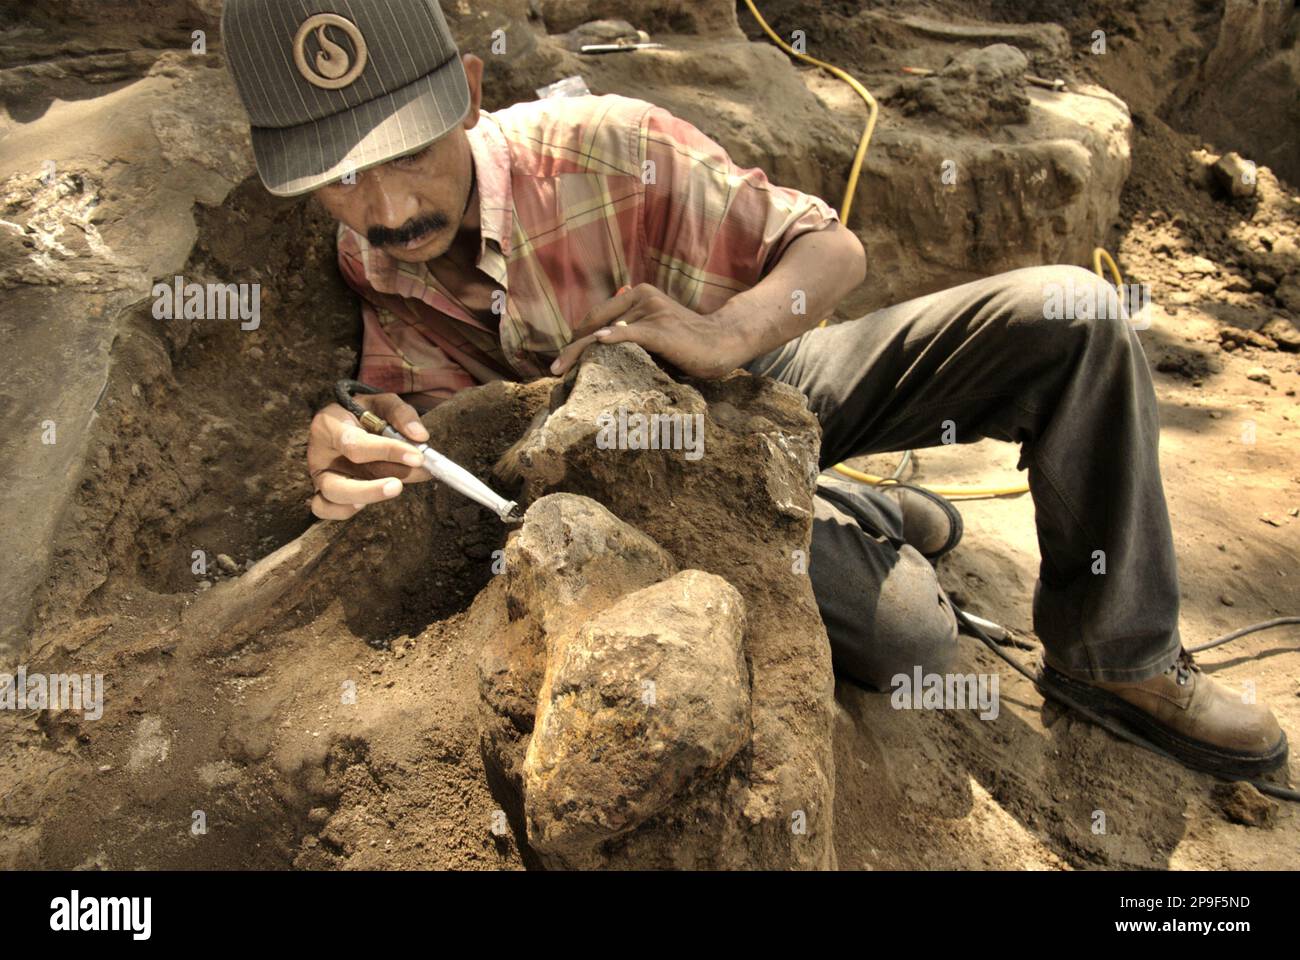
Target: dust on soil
(258, 738)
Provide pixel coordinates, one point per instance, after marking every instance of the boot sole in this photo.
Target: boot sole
(1191, 753)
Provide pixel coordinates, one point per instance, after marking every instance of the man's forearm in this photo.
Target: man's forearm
(816, 271)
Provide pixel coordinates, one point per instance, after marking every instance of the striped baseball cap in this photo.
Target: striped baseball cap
(334, 86)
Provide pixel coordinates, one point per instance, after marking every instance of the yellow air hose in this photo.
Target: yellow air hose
(1098, 255)
(867, 98)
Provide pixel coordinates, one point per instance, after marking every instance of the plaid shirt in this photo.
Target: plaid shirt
(578, 196)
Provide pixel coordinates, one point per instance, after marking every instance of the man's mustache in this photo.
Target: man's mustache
(387, 237)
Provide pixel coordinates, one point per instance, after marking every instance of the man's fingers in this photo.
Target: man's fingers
(404, 418)
(609, 311)
(355, 444)
(339, 489)
(400, 471)
(648, 333)
(570, 354)
(332, 511)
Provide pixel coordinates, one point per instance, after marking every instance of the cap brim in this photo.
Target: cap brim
(297, 160)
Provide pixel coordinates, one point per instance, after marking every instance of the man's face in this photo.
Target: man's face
(412, 206)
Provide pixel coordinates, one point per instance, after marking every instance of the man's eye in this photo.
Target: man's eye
(411, 158)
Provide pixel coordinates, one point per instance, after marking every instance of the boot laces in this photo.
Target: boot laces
(1184, 667)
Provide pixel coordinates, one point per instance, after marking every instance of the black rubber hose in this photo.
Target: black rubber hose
(343, 391)
(1253, 628)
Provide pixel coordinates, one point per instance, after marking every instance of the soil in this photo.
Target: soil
(252, 731)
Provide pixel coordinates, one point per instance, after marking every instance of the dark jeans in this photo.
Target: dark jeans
(985, 360)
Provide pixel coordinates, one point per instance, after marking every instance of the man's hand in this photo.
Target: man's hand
(351, 467)
(814, 273)
(699, 346)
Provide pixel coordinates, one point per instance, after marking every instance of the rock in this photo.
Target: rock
(1197, 266)
(1236, 175)
(226, 563)
(1259, 375)
(1242, 803)
(1283, 332)
(626, 429)
(1288, 294)
(572, 558)
(644, 699)
(683, 16)
(1285, 248)
(1199, 172)
(1233, 337)
(979, 88)
(602, 31)
(610, 518)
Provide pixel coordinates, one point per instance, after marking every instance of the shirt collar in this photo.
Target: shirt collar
(491, 154)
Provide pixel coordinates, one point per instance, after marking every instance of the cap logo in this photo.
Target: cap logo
(333, 69)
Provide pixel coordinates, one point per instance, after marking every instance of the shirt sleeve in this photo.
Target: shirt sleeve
(713, 229)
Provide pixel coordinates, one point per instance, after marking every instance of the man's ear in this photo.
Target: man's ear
(474, 76)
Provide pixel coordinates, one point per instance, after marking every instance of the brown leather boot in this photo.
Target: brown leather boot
(1202, 723)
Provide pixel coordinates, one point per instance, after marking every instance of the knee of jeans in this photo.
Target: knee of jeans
(911, 624)
(1075, 297)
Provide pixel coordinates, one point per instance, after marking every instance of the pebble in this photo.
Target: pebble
(1227, 601)
(1242, 803)
(1259, 375)
(226, 563)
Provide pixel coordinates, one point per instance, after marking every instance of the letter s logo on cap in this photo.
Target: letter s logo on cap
(331, 70)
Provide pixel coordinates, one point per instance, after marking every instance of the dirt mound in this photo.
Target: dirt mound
(655, 452)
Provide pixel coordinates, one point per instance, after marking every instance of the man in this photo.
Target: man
(488, 246)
